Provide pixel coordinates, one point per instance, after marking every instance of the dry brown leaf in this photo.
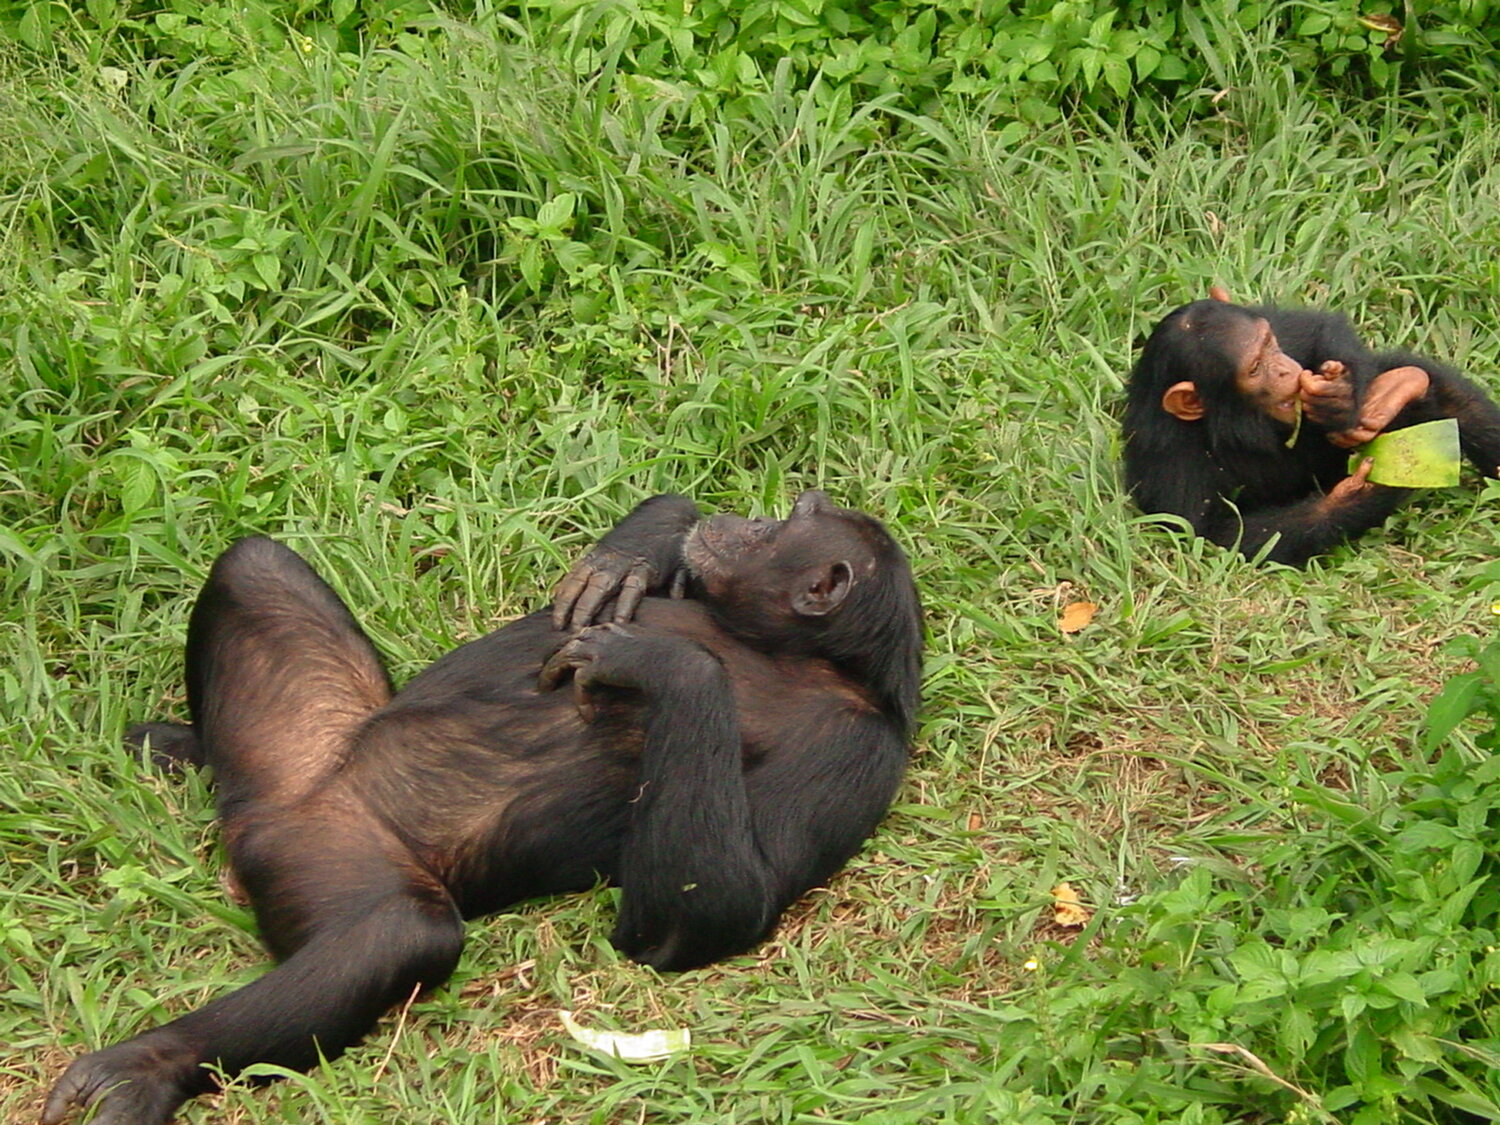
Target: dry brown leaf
(975, 822)
(1389, 24)
(1076, 616)
(1068, 908)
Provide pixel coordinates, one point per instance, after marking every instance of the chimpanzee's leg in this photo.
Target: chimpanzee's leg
(279, 676)
(174, 746)
(280, 680)
(261, 609)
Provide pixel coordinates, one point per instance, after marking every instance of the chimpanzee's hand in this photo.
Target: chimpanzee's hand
(1328, 396)
(616, 656)
(1352, 487)
(641, 554)
(1388, 395)
(578, 655)
(606, 573)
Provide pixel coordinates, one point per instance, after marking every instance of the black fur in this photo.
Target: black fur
(714, 759)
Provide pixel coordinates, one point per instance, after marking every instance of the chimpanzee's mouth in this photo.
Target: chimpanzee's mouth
(718, 541)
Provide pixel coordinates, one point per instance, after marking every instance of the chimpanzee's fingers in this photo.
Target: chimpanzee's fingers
(64, 1096)
(580, 656)
(582, 699)
(600, 586)
(1326, 388)
(1318, 386)
(558, 665)
(120, 1082)
(567, 593)
(1380, 412)
(83, 1084)
(632, 588)
(79, 1088)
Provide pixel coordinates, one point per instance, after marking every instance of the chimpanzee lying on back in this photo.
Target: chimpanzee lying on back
(1215, 396)
(727, 749)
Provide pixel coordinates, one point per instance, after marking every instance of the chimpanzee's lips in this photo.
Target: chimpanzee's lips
(700, 550)
(703, 541)
(719, 541)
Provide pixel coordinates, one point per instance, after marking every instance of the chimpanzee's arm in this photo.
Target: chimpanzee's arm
(641, 555)
(1313, 336)
(711, 857)
(815, 803)
(715, 853)
(1306, 528)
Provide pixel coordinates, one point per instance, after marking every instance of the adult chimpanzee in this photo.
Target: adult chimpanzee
(725, 751)
(1212, 424)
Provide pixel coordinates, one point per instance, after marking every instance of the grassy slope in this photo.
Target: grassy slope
(297, 307)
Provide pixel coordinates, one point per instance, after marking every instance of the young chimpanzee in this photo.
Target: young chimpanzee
(733, 732)
(1213, 434)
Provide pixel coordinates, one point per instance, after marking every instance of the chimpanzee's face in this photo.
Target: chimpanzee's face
(770, 579)
(1267, 378)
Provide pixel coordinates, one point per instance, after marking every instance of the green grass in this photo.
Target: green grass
(324, 297)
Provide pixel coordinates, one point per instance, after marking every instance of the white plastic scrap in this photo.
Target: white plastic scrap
(643, 1046)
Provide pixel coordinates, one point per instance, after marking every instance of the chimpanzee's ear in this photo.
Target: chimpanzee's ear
(825, 592)
(1219, 293)
(1183, 402)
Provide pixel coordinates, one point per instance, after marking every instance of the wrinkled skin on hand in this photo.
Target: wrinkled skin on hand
(604, 574)
(1352, 487)
(1328, 396)
(1389, 394)
(641, 555)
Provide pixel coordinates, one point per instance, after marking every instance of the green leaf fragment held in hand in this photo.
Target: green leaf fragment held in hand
(1423, 456)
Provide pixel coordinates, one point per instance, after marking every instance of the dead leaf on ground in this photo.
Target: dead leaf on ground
(1389, 24)
(1076, 616)
(1068, 908)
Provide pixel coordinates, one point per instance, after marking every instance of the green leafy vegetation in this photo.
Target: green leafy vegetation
(1031, 59)
(437, 296)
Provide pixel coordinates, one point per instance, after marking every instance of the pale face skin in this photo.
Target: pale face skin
(1268, 378)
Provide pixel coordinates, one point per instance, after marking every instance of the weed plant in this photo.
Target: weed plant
(437, 312)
